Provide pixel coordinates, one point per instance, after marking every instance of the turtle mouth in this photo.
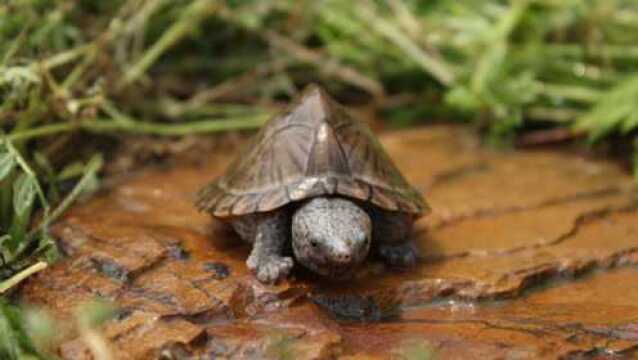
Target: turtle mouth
(329, 265)
(333, 270)
(343, 273)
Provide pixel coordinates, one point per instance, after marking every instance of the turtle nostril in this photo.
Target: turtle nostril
(343, 258)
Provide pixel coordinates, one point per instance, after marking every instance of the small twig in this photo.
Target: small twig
(199, 107)
(583, 94)
(92, 169)
(238, 123)
(551, 136)
(557, 115)
(77, 72)
(327, 65)
(116, 114)
(436, 67)
(56, 89)
(190, 18)
(41, 131)
(19, 277)
(141, 15)
(137, 25)
(239, 82)
(66, 57)
(126, 124)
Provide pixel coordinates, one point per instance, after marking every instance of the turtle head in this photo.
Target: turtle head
(331, 236)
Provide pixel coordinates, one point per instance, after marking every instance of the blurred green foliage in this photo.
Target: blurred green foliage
(416, 349)
(72, 72)
(25, 333)
(506, 65)
(15, 342)
(28, 333)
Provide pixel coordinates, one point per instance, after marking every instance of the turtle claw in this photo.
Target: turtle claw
(399, 255)
(252, 262)
(270, 270)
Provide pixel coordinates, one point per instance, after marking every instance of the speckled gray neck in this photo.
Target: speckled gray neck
(331, 236)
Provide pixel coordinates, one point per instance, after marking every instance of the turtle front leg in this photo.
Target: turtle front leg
(391, 235)
(266, 259)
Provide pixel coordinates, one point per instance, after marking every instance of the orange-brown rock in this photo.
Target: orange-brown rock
(527, 255)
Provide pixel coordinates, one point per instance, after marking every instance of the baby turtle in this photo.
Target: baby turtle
(316, 179)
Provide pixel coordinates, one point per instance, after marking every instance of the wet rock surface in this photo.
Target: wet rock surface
(527, 255)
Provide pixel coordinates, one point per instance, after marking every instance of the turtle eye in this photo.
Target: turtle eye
(314, 243)
(362, 237)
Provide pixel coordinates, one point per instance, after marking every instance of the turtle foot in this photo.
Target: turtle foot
(399, 255)
(270, 269)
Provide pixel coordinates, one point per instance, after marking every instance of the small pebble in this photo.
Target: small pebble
(220, 270)
(178, 252)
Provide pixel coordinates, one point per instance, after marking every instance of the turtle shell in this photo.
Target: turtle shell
(313, 149)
